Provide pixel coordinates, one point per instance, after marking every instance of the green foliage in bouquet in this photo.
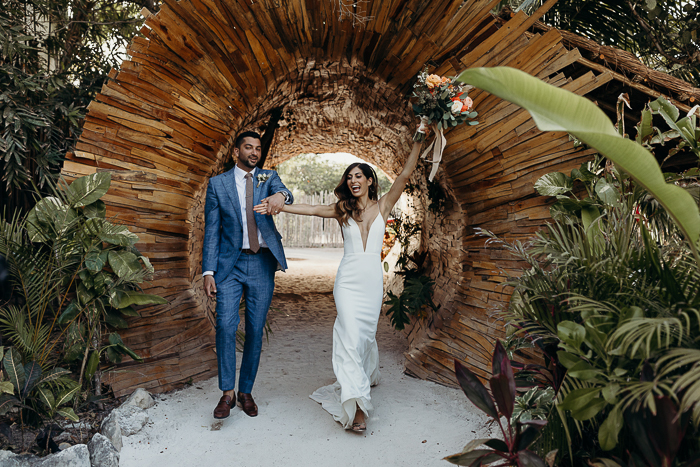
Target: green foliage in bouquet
(75, 275)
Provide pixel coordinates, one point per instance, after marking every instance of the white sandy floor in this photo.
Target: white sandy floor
(415, 423)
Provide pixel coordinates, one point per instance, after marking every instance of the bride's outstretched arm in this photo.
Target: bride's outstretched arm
(386, 204)
(327, 211)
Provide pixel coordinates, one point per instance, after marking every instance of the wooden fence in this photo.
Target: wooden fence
(309, 231)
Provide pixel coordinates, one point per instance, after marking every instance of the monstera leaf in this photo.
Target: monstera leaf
(555, 109)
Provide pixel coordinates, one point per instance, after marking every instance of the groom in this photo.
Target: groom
(242, 251)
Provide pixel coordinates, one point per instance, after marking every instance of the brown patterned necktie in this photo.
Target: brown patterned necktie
(250, 215)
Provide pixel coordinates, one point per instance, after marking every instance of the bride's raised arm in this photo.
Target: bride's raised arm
(387, 202)
(318, 210)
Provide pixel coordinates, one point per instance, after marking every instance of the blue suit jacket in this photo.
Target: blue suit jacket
(223, 228)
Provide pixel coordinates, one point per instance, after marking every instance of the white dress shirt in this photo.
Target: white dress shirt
(240, 187)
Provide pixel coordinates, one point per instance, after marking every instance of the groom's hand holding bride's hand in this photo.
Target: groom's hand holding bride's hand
(275, 203)
(271, 205)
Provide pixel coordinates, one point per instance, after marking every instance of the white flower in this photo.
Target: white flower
(262, 178)
(456, 107)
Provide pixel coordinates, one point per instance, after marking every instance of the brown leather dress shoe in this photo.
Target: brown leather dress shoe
(247, 404)
(223, 408)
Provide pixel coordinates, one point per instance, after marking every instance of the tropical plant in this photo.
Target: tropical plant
(611, 290)
(416, 296)
(615, 297)
(512, 450)
(54, 58)
(535, 404)
(29, 387)
(555, 109)
(74, 275)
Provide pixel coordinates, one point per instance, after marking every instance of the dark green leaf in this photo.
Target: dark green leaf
(124, 263)
(12, 362)
(7, 402)
(98, 209)
(115, 320)
(92, 364)
(579, 398)
(71, 311)
(583, 371)
(32, 373)
(95, 261)
(610, 429)
(126, 298)
(590, 410)
(130, 312)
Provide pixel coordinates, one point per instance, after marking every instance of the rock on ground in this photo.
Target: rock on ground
(102, 452)
(140, 398)
(9, 459)
(74, 456)
(131, 419)
(111, 429)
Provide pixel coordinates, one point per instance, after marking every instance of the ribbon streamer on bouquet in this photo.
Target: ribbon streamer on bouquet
(438, 145)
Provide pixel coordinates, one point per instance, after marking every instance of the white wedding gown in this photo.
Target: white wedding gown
(358, 293)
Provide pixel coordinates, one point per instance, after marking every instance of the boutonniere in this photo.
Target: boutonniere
(262, 178)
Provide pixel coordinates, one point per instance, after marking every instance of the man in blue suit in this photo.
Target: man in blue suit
(242, 250)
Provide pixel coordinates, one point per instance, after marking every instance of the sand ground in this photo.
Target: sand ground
(415, 423)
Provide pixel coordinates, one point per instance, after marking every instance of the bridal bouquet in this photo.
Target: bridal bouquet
(443, 103)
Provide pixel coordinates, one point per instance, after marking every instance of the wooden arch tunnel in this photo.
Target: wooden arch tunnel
(203, 70)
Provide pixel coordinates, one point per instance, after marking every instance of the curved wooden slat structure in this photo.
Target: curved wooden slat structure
(206, 69)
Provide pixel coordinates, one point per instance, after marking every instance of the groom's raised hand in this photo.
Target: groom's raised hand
(210, 286)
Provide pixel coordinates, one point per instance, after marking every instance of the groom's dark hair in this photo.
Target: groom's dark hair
(245, 134)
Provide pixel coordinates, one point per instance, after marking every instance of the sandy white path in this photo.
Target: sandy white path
(415, 423)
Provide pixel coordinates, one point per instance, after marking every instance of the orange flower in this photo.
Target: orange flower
(433, 81)
(444, 80)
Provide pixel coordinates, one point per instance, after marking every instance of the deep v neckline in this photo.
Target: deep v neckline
(369, 231)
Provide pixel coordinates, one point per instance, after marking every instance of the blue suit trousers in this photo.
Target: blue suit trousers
(254, 276)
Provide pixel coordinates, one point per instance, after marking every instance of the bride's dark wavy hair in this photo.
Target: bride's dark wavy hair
(347, 203)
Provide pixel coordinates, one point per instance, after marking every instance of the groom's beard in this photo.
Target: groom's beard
(247, 163)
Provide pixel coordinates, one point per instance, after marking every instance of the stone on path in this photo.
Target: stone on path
(140, 398)
(111, 429)
(10, 459)
(131, 419)
(74, 456)
(102, 452)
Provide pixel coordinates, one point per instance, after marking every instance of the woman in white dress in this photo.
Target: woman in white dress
(358, 289)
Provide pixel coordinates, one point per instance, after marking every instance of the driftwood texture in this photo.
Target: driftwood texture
(203, 70)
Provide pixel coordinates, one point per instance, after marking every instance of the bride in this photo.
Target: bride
(358, 289)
